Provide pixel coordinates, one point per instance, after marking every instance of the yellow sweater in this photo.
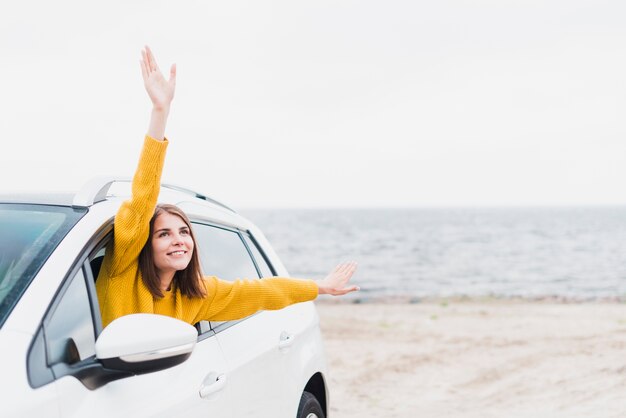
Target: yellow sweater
(121, 290)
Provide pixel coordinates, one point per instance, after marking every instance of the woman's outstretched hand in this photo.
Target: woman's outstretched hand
(160, 90)
(336, 283)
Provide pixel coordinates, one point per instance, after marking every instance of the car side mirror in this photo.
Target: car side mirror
(144, 343)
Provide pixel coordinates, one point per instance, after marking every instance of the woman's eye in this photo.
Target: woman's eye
(162, 234)
(184, 232)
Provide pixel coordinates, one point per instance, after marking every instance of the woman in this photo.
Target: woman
(151, 266)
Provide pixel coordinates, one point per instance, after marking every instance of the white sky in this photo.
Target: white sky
(325, 103)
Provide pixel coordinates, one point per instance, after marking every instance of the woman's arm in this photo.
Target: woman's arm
(235, 300)
(132, 220)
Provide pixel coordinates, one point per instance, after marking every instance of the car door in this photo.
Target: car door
(70, 329)
(255, 364)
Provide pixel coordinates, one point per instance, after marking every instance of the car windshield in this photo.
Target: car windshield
(28, 235)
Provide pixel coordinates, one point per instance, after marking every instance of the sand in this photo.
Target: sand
(490, 358)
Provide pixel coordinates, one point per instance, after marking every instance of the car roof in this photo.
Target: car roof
(47, 198)
(96, 190)
(115, 190)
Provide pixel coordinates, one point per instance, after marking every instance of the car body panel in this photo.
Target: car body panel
(19, 399)
(166, 393)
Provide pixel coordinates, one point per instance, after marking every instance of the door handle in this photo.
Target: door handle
(212, 383)
(286, 340)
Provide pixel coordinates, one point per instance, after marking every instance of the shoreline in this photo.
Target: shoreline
(475, 358)
(415, 300)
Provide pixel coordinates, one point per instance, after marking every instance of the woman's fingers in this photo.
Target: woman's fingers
(344, 268)
(173, 74)
(146, 61)
(144, 70)
(347, 269)
(341, 268)
(151, 61)
(343, 274)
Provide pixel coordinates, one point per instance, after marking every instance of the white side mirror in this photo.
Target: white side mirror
(144, 343)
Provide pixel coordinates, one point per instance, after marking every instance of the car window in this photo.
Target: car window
(223, 254)
(29, 235)
(95, 260)
(261, 262)
(70, 335)
(66, 339)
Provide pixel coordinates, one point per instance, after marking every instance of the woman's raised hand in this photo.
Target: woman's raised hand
(336, 283)
(160, 90)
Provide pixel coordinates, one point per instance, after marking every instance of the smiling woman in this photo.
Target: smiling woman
(152, 266)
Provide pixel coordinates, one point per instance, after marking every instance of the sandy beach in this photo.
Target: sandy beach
(487, 358)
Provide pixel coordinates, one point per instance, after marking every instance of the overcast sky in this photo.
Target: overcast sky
(325, 103)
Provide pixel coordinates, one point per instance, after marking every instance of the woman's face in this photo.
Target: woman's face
(172, 244)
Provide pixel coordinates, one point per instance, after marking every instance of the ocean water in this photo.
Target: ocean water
(571, 253)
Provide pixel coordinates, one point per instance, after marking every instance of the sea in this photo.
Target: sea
(573, 253)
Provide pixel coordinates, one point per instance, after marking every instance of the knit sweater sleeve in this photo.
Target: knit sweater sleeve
(132, 221)
(227, 301)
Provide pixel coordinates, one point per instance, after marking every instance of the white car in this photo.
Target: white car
(57, 361)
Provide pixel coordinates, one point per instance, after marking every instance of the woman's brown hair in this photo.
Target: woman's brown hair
(189, 280)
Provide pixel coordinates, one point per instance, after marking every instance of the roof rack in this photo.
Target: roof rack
(96, 189)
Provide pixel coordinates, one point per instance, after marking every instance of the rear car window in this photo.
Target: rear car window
(29, 234)
(223, 253)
